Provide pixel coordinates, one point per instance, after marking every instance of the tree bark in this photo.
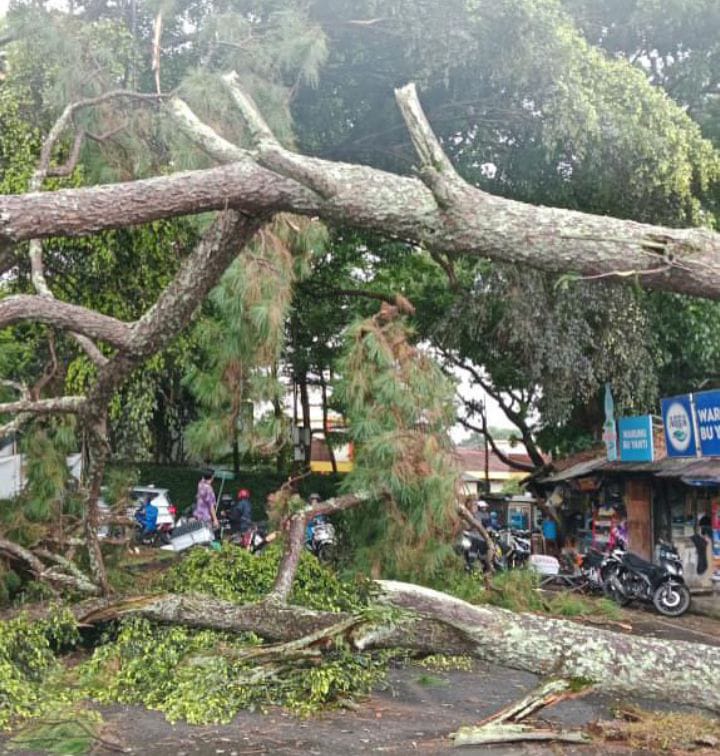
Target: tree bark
(442, 213)
(432, 622)
(291, 557)
(307, 420)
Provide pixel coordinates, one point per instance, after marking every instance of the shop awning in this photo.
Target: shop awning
(579, 470)
(691, 471)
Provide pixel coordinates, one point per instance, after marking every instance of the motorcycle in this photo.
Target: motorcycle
(161, 536)
(254, 539)
(514, 547)
(629, 577)
(473, 548)
(320, 539)
(592, 568)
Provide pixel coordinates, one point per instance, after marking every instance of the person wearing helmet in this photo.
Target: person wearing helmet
(483, 513)
(241, 512)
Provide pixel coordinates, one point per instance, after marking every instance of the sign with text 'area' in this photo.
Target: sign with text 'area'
(636, 439)
(707, 412)
(677, 414)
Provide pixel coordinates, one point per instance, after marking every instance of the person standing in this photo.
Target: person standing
(205, 503)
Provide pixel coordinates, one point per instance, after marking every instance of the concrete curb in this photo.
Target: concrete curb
(707, 605)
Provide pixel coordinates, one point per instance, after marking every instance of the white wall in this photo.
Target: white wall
(12, 479)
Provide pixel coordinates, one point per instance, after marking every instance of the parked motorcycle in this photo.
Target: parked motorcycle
(629, 577)
(593, 568)
(514, 547)
(473, 548)
(320, 539)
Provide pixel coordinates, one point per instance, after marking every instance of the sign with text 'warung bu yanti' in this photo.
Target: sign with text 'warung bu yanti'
(707, 412)
(636, 439)
(677, 413)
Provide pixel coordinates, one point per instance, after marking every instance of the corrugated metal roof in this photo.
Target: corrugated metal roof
(686, 469)
(579, 470)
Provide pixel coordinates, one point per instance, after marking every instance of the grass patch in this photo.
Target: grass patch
(446, 663)
(64, 730)
(519, 591)
(430, 681)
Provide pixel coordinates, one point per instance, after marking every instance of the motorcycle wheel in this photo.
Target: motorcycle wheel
(326, 553)
(611, 591)
(165, 538)
(672, 599)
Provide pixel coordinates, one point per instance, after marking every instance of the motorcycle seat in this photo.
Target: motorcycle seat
(634, 562)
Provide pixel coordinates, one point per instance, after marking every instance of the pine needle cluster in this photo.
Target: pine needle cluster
(400, 407)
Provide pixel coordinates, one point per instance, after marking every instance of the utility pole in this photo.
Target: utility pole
(487, 447)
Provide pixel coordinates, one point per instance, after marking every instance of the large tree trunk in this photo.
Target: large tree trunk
(440, 211)
(432, 622)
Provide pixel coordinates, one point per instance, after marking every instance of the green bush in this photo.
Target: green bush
(27, 661)
(207, 676)
(234, 574)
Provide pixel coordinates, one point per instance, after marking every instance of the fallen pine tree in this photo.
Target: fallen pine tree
(202, 658)
(425, 621)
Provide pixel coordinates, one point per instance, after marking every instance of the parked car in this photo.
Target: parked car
(160, 498)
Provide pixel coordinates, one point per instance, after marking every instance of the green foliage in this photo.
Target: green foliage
(236, 575)
(400, 407)
(519, 591)
(27, 661)
(50, 496)
(444, 663)
(203, 677)
(207, 676)
(241, 342)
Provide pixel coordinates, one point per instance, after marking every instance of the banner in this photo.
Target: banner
(707, 414)
(609, 434)
(677, 414)
(636, 439)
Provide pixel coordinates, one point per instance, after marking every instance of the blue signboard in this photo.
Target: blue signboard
(707, 412)
(636, 439)
(677, 414)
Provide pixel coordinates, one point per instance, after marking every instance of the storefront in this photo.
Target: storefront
(676, 500)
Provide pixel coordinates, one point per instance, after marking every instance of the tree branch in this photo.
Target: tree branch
(477, 224)
(433, 622)
(295, 527)
(203, 136)
(60, 405)
(270, 153)
(25, 307)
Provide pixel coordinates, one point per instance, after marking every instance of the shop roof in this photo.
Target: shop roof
(580, 470)
(693, 471)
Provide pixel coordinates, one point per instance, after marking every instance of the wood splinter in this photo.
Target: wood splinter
(506, 727)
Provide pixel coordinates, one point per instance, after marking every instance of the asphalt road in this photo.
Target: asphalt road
(415, 712)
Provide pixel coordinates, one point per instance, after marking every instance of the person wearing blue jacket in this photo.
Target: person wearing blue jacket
(147, 516)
